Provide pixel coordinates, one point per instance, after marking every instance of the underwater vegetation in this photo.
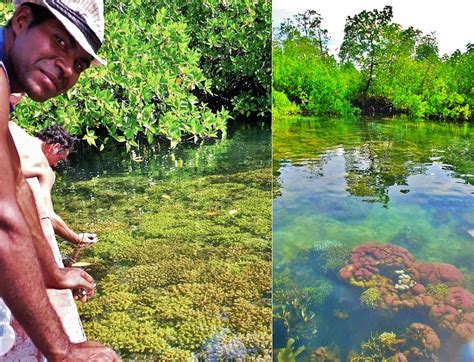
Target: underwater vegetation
(289, 354)
(297, 293)
(410, 237)
(183, 266)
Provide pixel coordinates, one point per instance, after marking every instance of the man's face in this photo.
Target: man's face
(45, 59)
(55, 154)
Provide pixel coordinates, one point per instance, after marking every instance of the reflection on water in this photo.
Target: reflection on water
(344, 183)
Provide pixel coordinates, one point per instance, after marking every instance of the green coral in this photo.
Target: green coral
(370, 298)
(439, 291)
(247, 317)
(331, 255)
(389, 340)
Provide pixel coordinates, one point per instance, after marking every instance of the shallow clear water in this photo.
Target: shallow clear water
(246, 147)
(354, 181)
(183, 262)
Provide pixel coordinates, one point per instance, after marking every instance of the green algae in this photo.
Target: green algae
(180, 260)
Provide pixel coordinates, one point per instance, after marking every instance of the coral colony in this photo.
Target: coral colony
(393, 280)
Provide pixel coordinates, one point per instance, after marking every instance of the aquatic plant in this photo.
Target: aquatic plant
(370, 298)
(438, 291)
(292, 307)
(289, 354)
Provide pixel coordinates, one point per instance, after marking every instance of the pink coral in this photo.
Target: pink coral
(366, 258)
(434, 273)
(424, 336)
(459, 298)
(454, 312)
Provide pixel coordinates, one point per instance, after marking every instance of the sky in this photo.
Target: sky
(452, 21)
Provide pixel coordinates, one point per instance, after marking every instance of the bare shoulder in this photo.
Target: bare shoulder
(16, 130)
(33, 161)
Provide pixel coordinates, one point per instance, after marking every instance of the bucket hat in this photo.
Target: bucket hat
(83, 19)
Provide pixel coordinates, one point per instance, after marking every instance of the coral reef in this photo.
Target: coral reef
(392, 280)
(423, 337)
(433, 273)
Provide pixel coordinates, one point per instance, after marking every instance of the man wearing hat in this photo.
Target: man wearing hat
(43, 50)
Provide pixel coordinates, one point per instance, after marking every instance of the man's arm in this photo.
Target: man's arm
(60, 228)
(54, 277)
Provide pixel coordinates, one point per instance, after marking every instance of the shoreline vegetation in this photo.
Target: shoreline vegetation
(381, 69)
(211, 63)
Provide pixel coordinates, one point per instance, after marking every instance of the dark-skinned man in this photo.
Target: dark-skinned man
(43, 50)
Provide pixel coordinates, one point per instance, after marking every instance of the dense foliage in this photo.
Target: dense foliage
(234, 39)
(382, 68)
(175, 71)
(314, 82)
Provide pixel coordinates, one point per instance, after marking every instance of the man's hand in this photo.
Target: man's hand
(76, 279)
(87, 239)
(90, 351)
(82, 295)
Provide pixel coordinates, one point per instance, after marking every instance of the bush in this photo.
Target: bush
(282, 105)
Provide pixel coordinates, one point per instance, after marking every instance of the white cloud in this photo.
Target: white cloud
(450, 20)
